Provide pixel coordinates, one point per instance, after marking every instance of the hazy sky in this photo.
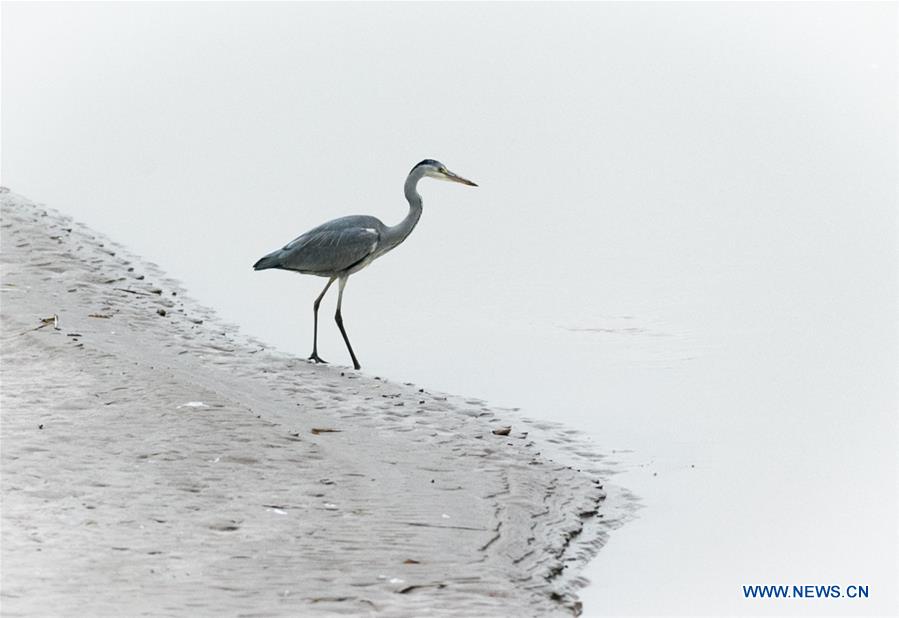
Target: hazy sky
(204, 135)
(708, 189)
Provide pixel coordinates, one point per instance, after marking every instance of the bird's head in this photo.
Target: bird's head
(436, 169)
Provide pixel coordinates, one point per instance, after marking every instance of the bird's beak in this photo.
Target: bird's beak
(456, 178)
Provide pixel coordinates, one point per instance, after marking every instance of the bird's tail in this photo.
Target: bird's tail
(272, 260)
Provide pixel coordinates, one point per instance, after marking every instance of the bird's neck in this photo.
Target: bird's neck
(398, 233)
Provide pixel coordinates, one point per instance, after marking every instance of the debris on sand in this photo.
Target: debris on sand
(318, 430)
(193, 404)
(53, 319)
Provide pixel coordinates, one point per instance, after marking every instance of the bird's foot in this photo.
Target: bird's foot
(315, 358)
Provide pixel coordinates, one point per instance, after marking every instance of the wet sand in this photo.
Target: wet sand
(156, 462)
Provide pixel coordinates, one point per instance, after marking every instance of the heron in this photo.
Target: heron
(337, 249)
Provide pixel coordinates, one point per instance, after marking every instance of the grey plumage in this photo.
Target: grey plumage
(341, 247)
(330, 248)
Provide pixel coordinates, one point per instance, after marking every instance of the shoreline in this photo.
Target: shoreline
(157, 460)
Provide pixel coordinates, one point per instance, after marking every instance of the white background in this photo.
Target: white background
(684, 241)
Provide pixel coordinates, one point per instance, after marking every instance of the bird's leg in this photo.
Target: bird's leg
(315, 357)
(339, 320)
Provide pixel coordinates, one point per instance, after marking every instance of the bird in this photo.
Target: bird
(341, 247)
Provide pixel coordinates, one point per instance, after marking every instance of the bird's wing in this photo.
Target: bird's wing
(328, 251)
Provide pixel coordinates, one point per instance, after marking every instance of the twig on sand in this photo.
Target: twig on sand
(139, 293)
(409, 589)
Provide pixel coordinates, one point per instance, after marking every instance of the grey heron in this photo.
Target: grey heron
(344, 246)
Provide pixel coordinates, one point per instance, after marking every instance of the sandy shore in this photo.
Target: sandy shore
(156, 462)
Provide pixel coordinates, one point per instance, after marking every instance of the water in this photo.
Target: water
(683, 243)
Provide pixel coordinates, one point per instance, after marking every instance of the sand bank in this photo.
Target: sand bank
(156, 462)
